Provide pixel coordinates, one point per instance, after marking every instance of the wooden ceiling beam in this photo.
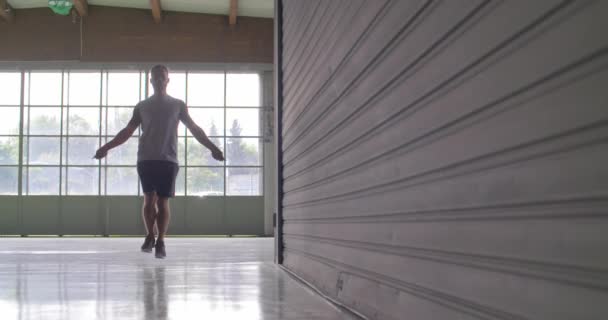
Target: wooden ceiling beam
(82, 7)
(157, 10)
(234, 8)
(6, 11)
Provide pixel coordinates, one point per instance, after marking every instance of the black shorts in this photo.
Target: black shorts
(159, 176)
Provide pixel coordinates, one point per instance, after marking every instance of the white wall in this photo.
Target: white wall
(447, 159)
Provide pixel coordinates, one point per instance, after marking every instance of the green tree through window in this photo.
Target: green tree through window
(9, 150)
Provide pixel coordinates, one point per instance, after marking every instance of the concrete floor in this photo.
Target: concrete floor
(101, 278)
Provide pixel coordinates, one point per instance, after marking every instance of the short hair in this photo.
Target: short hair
(161, 67)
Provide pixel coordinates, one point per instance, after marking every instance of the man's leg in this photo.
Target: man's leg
(149, 211)
(164, 216)
(156, 215)
(165, 190)
(149, 214)
(162, 221)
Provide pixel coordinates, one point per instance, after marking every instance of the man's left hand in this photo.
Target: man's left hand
(218, 155)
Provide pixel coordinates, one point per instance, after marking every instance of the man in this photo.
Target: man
(157, 163)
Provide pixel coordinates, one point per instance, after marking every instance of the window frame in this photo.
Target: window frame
(24, 164)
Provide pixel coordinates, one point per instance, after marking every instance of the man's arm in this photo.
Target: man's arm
(122, 136)
(200, 135)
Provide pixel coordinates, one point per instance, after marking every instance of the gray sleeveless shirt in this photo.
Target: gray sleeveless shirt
(159, 119)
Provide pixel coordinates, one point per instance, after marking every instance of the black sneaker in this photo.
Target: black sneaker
(159, 249)
(148, 244)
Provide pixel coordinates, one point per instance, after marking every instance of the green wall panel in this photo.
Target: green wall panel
(204, 215)
(9, 215)
(81, 215)
(242, 218)
(121, 215)
(41, 215)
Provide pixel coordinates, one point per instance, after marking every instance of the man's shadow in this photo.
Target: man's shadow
(156, 302)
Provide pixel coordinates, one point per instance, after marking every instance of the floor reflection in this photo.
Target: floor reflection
(107, 279)
(156, 301)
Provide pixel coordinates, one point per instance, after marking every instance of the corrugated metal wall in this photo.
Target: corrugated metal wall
(448, 159)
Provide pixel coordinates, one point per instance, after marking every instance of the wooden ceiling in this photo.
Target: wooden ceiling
(9, 9)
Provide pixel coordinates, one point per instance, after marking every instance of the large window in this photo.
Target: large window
(66, 115)
(227, 107)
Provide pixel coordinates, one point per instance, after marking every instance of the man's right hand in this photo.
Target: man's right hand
(218, 155)
(101, 153)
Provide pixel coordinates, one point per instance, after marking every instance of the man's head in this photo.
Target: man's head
(159, 78)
